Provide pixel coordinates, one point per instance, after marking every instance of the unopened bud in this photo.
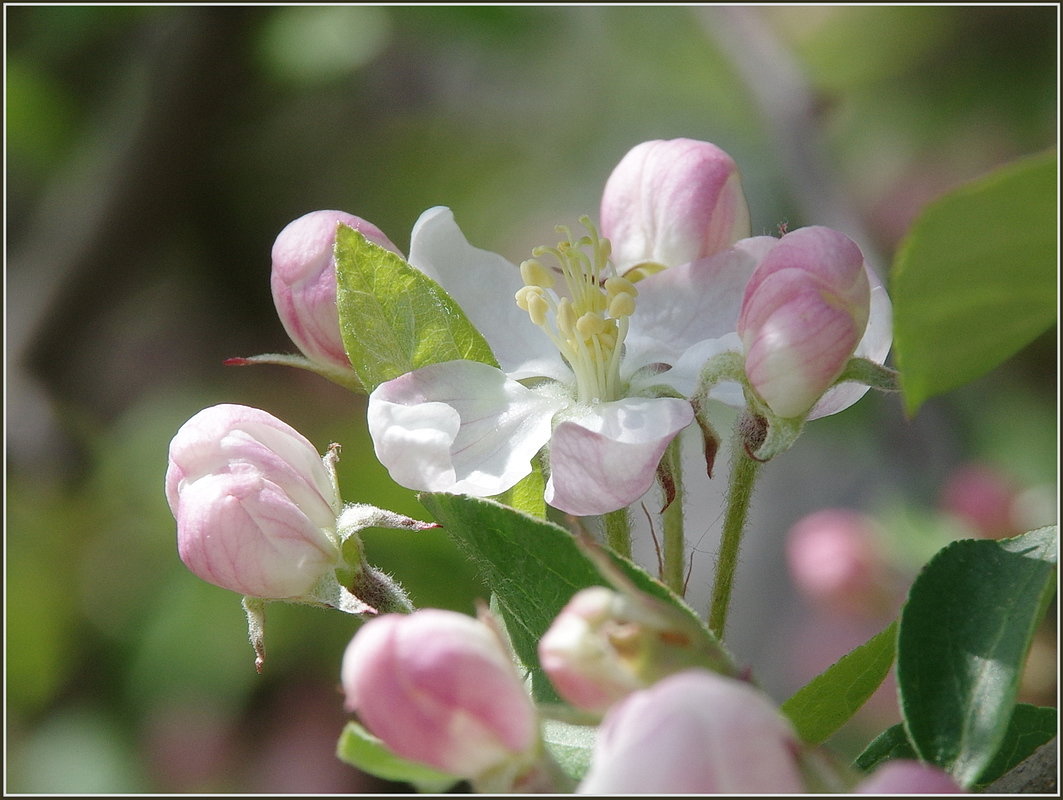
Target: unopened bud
(304, 282)
(439, 688)
(804, 311)
(255, 505)
(670, 202)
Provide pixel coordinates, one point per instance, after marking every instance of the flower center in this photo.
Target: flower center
(588, 319)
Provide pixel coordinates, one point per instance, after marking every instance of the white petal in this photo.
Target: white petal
(606, 457)
(460, 427)
(681, 306)
(484, 284)
(874, 346)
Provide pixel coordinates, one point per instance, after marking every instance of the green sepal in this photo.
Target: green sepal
(394, 318)
(359, 748)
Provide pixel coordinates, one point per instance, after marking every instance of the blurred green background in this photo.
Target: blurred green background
(153, 154)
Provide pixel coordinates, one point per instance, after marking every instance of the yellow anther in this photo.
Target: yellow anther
(534, 273)
(566, 317)
(615, 286)
(590, 324)
(622, 305)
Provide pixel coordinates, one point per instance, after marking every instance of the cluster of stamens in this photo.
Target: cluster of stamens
(589, 323)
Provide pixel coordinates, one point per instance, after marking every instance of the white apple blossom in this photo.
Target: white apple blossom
(583, 369)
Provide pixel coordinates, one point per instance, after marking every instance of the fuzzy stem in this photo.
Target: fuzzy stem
(618, 532)
(672, 521)
(743, 475)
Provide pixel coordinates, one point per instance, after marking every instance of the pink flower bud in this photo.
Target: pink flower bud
(439, 688)
(804, 311)
(695, 732)
(835, 560)
(583, 652)
(983, 499)
(304, 282)
(255, 506)
(908, 777)
(672, 202)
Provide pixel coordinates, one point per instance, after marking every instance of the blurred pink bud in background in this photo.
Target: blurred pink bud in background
(670, 202)
(255, 506)
(835, 559)
(908, 777)
(804, 311)
(695, 732)
(983, 499)
(304, 282)
(439, 688)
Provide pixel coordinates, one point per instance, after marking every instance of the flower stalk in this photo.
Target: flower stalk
(744, 471)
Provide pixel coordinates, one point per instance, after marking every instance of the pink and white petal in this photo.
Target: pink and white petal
(606, 457)
(484, 285)
(874, 346)
(460, 427)
(681, 306)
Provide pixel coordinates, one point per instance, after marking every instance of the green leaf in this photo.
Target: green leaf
(570, 745)
(975, 279)
(393, 318)
(527, 494)
(359, 748)
(533, 567)
(1030, 727)
(827, 702)
(890, 744)
(964, 635)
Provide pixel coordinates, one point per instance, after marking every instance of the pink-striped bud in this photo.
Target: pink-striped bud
(304, 282)
(439, 688)
(695, 732)
(669, 202)
(255, 506)
(803, 313)
(908, 777)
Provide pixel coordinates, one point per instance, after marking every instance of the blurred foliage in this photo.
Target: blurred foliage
(154, 152)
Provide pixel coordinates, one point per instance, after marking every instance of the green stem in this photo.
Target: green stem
(743, 475)
(618, 532)
(672, 520)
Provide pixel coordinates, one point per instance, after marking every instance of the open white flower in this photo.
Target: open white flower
(586, 364)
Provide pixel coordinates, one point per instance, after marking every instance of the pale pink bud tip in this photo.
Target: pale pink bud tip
(695, 732)
(672, 202)
(908, 777)
(804, 311)
(304, 282)
(439, 688)
(579, 652)
(255, 507)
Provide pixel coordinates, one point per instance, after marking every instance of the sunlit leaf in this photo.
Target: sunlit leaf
(964, 635)
(393, 318)
(976, 278)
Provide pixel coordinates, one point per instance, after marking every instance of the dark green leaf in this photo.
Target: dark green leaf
(1030, 727)
(827, 702)
(890, 744)
(393, 318)
(359, 748)
(975, 280)
(964, 635)
(533, 567)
